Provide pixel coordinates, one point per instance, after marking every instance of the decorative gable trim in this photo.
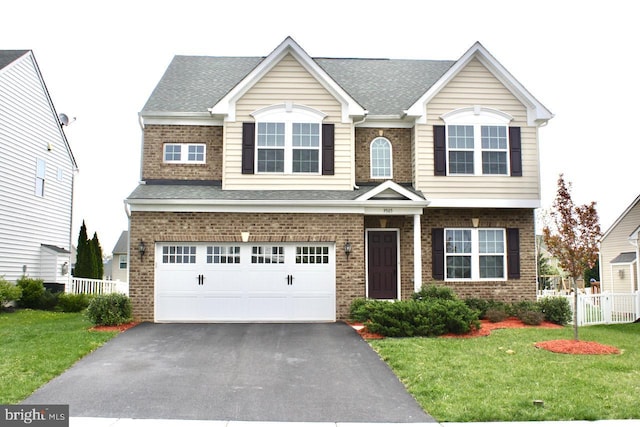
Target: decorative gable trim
(391, 190)
(227, 105)
(537, 114)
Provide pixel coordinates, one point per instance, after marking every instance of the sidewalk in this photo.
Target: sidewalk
(128, 422)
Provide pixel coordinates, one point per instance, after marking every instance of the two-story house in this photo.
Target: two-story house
(281, 188)
(37, 170)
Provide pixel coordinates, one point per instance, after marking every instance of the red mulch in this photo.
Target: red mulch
(577, 347)
(513, 322)
(556, 346)
(120, 328)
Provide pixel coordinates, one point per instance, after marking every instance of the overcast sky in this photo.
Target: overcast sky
(101, 60)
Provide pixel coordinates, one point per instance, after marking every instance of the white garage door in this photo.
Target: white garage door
(223, 282)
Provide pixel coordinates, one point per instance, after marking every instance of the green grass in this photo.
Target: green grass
(36, 346)
(462, 380)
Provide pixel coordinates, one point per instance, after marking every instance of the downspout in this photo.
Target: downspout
(141, 122)
(353, 148)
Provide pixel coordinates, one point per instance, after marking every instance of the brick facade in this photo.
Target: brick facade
(154, 227)
(509, 290)
(155, 136)
(350, 274)
(401, 152)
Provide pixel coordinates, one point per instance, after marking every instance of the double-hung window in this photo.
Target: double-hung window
(288, 140)
(477, 142)
(475, 254)
(184, 153)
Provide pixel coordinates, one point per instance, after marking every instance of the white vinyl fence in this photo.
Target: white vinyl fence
(79, 285)
(605, 308)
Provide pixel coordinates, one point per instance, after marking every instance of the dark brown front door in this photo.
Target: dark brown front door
(383, 264)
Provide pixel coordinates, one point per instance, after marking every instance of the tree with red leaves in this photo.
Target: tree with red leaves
(574, 239)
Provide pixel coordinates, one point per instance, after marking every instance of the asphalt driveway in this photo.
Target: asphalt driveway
(237, 372)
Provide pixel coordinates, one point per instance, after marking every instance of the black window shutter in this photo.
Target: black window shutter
(439, 150)
(513, 253)
(328, 149)
(515, 151)
(248, 147)
(437, 253)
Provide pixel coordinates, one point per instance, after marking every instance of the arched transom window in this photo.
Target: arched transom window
(381, 158)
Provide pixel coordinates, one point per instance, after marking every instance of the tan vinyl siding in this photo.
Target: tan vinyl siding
(614, 244)
(288, 81)
(475, 85)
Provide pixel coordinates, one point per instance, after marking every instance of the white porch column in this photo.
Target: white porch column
(417, 253)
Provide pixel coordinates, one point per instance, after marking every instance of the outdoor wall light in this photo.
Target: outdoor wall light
(141, 249)
(347, 249)
(621, 273)
(65, 268)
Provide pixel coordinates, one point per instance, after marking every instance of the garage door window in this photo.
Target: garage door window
(267, 255)
(223, 254)
(312, 255)
(178, 254)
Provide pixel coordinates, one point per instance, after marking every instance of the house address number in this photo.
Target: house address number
(387, 210)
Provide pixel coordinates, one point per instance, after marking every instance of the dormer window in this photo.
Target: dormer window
(381, 158)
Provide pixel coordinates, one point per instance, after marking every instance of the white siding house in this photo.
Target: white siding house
(37, 170)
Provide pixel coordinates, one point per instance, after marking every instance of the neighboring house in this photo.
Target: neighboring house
(619, 252)
(281, 188)
(37, 170)
(120, 260)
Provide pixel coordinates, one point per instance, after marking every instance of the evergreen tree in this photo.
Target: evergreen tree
(84, 259)
(96, 252)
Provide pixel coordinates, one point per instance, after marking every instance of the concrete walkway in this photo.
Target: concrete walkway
(128, 422)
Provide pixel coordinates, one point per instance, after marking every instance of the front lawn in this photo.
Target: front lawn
(36, 346)
(479, 379)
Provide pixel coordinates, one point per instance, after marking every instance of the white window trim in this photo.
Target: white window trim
(475, 256)
(288, 113)
(120, 262)
(184, 153)
(477, 116)
(390, 175)
(41, 174)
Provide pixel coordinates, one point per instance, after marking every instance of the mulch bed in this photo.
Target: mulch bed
(577, 347)
(120, 328)
(556, 346)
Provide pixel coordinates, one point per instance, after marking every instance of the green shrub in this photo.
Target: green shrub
(496, 314)
(521, 307)
(109, 309)
(531, 317)
(32, 292)
(429, 317)
(8, 292)
(556, 309)
(479, 304)
(437, 292)
(73, 303)
(48, 301)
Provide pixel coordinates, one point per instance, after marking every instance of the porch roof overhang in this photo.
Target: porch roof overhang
(385, 199)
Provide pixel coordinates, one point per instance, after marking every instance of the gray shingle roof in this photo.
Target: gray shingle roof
(214, 192)
(624, 258)
(8, 56)
(122, 244)
(382, 86)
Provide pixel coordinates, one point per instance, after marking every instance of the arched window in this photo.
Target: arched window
(381, 158)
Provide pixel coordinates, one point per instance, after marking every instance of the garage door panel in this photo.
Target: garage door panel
(203, 282)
